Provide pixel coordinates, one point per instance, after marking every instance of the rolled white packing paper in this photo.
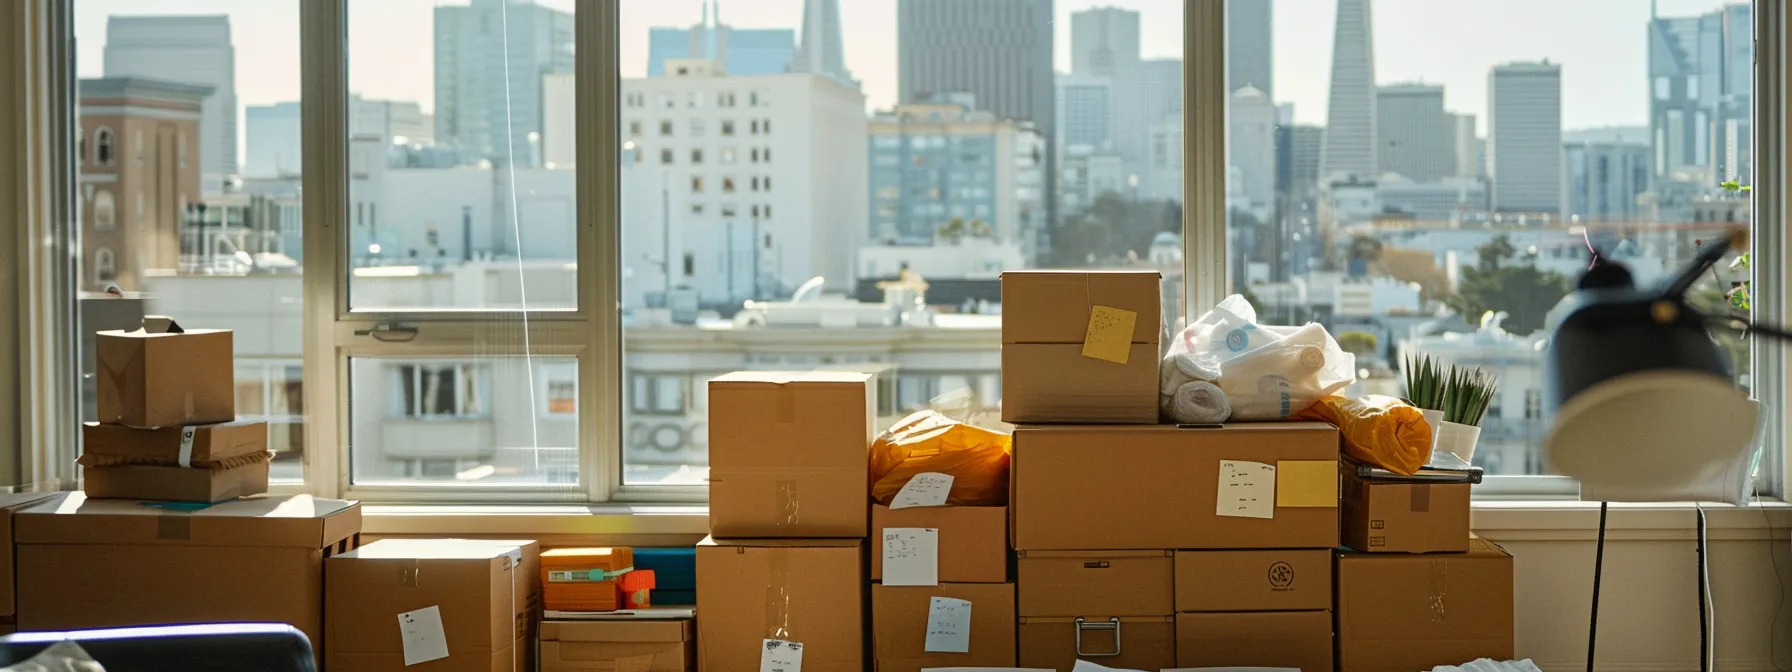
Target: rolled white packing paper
(1198, 403)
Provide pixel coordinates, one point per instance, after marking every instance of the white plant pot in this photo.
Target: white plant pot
(1436, 420)
(1458, 439)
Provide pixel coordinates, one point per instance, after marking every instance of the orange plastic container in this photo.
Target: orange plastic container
(584, 579)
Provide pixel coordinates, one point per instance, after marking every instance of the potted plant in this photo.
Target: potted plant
(1425, 389)
(1467, 394)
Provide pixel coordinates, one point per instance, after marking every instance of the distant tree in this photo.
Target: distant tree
(1110, 228)
(1522, 291)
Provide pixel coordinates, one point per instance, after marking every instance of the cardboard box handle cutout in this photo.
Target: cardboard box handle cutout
(1083, 626)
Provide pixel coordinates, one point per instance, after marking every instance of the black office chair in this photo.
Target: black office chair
(224, 647)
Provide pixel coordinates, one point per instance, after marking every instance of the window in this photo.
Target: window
(105, 267)
(725, 99)
(697, 209)
(105, 212)
(696, 184)
(728, 185)
(665, 128)
(560, 396)
(104, 146)
(634, 129)
(766, 182)
(666, 157)
(753, 126)
(753, 155)
(766, 154)
(696, 157)
(766, 126)
(728, 127)
(438, 390)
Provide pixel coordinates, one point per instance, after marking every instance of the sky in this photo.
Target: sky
(1600, 43)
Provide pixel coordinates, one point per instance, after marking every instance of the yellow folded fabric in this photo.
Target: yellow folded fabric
(1383, 431)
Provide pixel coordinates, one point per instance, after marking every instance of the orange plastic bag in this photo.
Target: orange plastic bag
(1383, 431)
(975, 458)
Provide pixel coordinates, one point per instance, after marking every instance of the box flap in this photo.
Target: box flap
(141, 334)
(782, 543)
(1055, 306)
(787, 377)
(435, 549)
(208, 443)
(618, 631)
(295, 520)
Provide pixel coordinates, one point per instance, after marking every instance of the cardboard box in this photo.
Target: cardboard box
(176, 484)
(799, 590)
(649, 641)
(901, 617)
(1127, 642)
(788, 453)
(1297, 640)
(474, 587)
(165, 379)
(973, 540)
(99, 563)
(1275, 580)
(11, 503)
(1095, 583)
(1415, 612)
(196, 445)
(1158, 486)
(1048, 317)
(1393, 517)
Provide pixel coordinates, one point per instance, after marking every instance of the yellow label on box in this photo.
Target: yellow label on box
(1110, 334)
(1307, 484)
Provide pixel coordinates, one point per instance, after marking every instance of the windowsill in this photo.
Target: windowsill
(1498, 520)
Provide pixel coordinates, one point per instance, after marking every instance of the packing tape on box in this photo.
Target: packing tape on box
(787, 503)
(186, 446)
(407, 577)
(1420, 498)
(1440, 581)
(786, 403)
(777, 595)
(177, 528)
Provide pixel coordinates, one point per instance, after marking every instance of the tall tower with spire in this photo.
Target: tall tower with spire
(821, 50)
(1350, 124)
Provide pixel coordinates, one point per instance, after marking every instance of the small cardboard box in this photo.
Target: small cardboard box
(101, 563)
(1276, 580)
(655, 640)
(195, 445)
(788, 453)
(9, 504)
(1158, 486)
(1394, 517)
(809, 591)
(901, 617)
(1123, 642)
(1095, 583)
(472, 587)
(1065, 360)
(1415, 612)
(176, 484)
(973, 540)
(162, 379)
(1296, 640)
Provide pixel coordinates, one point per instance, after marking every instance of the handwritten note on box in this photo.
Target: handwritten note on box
(948, 626)
(781, 656)
(924, 489)
(1247, 490)
(421, 633)
(911, 556)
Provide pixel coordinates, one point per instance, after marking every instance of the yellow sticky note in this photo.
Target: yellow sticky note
(1110, 334)
(1307, 483)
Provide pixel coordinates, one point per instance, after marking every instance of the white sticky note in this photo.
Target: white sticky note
(948, 626)
(926, 489)
(421, 632)
(1086, 666)
(1247, 490)
(911, 556)
(781, 656)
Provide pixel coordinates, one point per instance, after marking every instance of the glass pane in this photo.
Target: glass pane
(464, 421)
(1428, 185)
(805, 188)
(189, 188)
(461, 155)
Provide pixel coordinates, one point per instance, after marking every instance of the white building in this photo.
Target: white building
(1446, 200)
(190, 50)
(1524, 137)
(559, 120)
(1163, 174)
(1468, 145)
(488, 85)
(1414, 133)
(1085, 175)
(273, 139)
(1350, 134)
(1251, 147)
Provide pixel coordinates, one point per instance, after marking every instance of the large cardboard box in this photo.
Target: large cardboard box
(1297, 640)
(788, 453)
(809, 591)
(149, 379)
(1065, 356)
(1415, 612)
(177, 484)
(1273, 580)
(173, 446)
(464, 596)
(654, 640)
(1095, 583)
(97, 563)
(973, 540)
(11, 503)
(1396, 517)
(1159, 486)
(902, 616)
(1126, 642)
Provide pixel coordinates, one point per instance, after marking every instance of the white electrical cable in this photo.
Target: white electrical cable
(516, 229)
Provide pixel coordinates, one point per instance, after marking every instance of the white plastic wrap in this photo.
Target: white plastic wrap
(1487, 665)
(60, 657)
(1266, 372)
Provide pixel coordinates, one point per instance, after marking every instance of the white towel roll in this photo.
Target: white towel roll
(1178, 369)
(1197, 403)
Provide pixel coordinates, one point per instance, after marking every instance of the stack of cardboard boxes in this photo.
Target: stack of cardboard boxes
(782, 576)
(940, 594)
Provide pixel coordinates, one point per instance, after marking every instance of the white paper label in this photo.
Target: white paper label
(186, 446)
(911, 556)
(987, 669)
(1247, 490)
(927, 489)
(1232, 669)
(781, 656)
(1086, 666)
(948, 626)
(421, 632)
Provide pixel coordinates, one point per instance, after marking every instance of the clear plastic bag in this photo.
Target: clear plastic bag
(1267, 372)
(60, 657)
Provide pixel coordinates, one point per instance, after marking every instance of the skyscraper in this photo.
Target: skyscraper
(1414, 132)
(1104, 42)
(1701, 87)
(1086, 112)
(822, 50)
(1524, 137)
(273, 139)
(1251, 146)
(1468, 145)
(742, 52)
(490, 57)
(189, 50)
(1250, 46)
(1350, 133)
(1605, 179)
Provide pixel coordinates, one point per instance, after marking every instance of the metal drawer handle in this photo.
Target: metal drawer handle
(1113, 625)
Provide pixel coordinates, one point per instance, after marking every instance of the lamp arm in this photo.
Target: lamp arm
(1747, 327)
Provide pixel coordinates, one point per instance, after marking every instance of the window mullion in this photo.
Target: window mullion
(1203, 155)
(600, 382)
(323, 31)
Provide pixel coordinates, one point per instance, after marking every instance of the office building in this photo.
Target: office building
(393, 121)
(1104, 42)
(823, 50)
(273, 140)
(1415, 133)
(1450, 199)
(136, 195)
(766, 51)
(190, 50)
(1297, 159)
(1350, 126)
(1087, 112)
(999, 51)
(1250, 46)
(488, 87)
(1251, 147)
(931, 164)
(1701, 88)
(1524, 137)
(1605, 179)
(1086, 175)
(1466, 140)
